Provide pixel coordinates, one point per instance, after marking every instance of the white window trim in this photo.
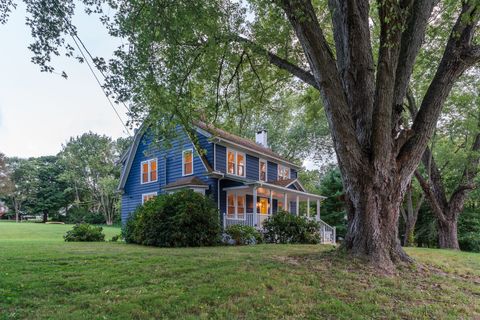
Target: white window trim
(259, 170)
(279, 167)
(183, 163)
(149, 165)
(235, 152)
(235, 202)
(148, 194)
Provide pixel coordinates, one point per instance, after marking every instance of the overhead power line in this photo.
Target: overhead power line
(99, 83)
(93, 60)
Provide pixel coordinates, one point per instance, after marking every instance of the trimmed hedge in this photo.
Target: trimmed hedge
(182, 219)
(285, 227)
(84, 232)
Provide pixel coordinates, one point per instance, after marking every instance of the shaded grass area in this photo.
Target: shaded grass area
(43, 277)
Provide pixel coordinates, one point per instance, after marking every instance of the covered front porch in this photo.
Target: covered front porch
(252, 204)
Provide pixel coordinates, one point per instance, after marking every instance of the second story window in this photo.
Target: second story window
(236, 163)
(283, 172)
(149, 170)
(262, 170)
(187, 162)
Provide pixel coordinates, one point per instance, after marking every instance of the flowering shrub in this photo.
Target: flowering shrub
(244, 234)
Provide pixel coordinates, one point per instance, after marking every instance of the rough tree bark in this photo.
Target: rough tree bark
(376, 157)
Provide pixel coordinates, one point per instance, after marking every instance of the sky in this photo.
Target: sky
(40, 111)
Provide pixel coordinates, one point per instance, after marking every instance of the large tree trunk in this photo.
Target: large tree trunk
(373, 213)
(376, 156)
(447, 234)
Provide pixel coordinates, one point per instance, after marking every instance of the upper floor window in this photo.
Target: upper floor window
(149, 170)
(236, 163)
(148, 196)
(187, 162)
(263, 170)
(283, 172)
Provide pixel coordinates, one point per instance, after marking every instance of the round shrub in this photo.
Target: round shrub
(84, 232)
(285, 227)
(244, 234)
(182, 219)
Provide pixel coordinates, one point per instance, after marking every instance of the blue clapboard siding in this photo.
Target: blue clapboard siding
(272, 171)
(221, 158)
(252, 167)
(133, 191)
(169, 169)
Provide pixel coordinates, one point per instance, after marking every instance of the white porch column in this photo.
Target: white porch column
(308, 207)
(285, 205)
(255, 219)
(297, 207)
(270, 211)
(318, 209)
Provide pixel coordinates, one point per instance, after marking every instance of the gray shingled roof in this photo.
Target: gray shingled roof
(239, 140)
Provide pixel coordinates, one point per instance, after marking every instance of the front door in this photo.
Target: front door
(263, 206)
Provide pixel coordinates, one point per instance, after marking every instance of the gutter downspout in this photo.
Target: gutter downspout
(218, 200)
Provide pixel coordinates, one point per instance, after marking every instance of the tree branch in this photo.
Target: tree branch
(451, 67)
(412, 39)
(281, 63)
(350, 20)
(411, 42)
(392, 22)
(436, 207)
(303, 19)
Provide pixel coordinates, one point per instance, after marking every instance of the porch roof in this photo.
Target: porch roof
(191, 181)
(276, 188)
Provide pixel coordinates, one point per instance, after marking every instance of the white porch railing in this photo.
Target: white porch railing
(327, 232)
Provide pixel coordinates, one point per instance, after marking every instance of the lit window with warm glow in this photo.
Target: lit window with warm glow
(236, 206)
(231, 206)
(240, 207)
(236, 163)
(148, 196)
(263, 170)
(231, 162)
(187, 162)
(240, 164)
(149, 171)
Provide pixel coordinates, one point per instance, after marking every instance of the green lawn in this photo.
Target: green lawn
(42, 277)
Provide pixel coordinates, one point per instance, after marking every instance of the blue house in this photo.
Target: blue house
(248, 181)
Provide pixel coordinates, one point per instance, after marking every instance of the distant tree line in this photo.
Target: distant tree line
(78, 184)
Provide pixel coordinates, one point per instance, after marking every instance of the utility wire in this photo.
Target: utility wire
(93, 60)
(100, 84)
